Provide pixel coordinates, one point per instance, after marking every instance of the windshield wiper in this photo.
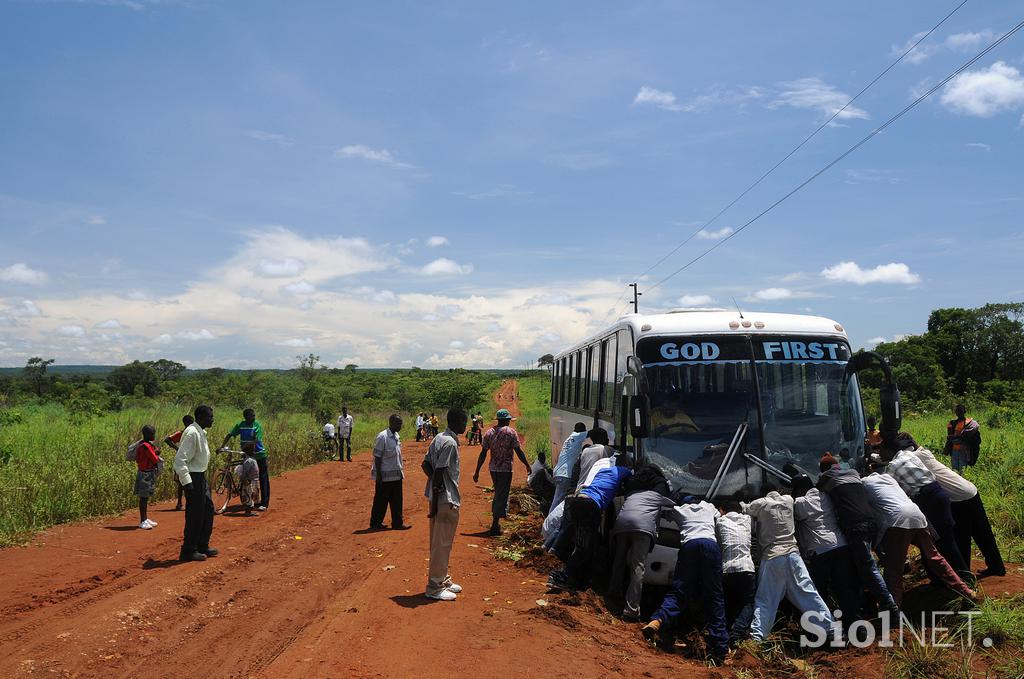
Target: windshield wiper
(737, 441)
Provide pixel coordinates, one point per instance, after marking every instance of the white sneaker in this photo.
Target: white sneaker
(454, 589)
(145, 525)
(443, 595)
(152, 523)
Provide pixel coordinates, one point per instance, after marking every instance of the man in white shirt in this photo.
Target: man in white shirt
(783, 572)
(387, 473)
(190, 463)
(903, 524)
(825, 549)
(971, 521)
(345, 424)
(566, 461)
(441, 465)
(698, 576)
(735, 532)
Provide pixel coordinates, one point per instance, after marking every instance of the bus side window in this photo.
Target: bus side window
(589, 390)
(562, 381)
(608, 406)
(598, 376)
(554, 382)
(625, 350)
(577, 391)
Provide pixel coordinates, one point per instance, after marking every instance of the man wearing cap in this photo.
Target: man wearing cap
(501, 440)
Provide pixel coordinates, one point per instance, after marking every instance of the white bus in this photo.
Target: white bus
(728, 405)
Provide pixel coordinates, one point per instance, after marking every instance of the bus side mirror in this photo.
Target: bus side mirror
(889, 395)
(639, 413)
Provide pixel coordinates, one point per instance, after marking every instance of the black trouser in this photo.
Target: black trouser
(739, 589)
(261, 462)
(586, 517)
(384, 494)
(934, 503)
(834, 574)
(198, 516)
(972, 522)
(343, 443)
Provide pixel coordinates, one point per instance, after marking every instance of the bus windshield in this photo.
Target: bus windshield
(701, 389)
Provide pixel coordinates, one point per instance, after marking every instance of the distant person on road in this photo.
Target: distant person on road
(566, 462)
(387, 473)
(434, 424)
(147, 460)
(419, 427)
(474, 432)
(345, 426)
(190, 465)
(441, 465)
(250, 429)
(963, 440)
(172, 442)
(501, 441)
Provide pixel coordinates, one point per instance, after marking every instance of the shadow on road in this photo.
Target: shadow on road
(122, 528)
(478, 534)
(367, 531)
(152, 564)
(412, 600)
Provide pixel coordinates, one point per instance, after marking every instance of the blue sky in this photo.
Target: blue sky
(473, 184)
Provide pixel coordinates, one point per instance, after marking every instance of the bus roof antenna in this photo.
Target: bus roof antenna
(738, 310)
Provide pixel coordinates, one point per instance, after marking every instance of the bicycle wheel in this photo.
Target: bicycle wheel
(229, 487)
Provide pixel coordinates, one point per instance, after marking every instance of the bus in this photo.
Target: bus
(728, 404)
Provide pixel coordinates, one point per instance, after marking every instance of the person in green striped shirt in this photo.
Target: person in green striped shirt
(250, 429)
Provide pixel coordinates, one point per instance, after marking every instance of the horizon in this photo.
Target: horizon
(446, 186)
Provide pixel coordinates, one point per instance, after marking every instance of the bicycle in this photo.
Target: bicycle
(230, 482)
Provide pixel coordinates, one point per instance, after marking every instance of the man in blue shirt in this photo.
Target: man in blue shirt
(585, 510)
(566, 461)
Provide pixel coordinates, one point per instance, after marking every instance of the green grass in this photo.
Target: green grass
(56, 467)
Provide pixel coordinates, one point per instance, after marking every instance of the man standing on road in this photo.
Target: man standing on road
(250, 429)
(501, 441)
(345, 424)
(190, 464)
(387, 473)
(441, 465)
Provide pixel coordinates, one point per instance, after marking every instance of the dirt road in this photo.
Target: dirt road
(297, 592)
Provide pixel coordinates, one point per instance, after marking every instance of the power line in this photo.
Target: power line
(796, 148)
(846, 153)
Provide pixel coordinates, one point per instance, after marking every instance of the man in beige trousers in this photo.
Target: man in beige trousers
(441, 465)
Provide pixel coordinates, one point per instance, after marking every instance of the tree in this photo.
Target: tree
(308, 365)
(545, 361)
(35, 373)
(167, 369)
(134, 378)
(351, 367)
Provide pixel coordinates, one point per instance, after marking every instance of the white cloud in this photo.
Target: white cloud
(715, 235)
(96, 220)
(23, 274)
(663, 99)
(445, 267)
(772, 294)
(71, 331)
(985, 92)
(109, 324)
(363, 152)
(281, 268)
(721, 96)
(375, 296)
(978, 145)
(163, 339)
(876, 341)
(300, 287)
(456, 344)
(436, 241)
(695, 300)
(816, 94)
(24, 309)
(195, 335)
(296, 343)
(957, 42)
(851, 272)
